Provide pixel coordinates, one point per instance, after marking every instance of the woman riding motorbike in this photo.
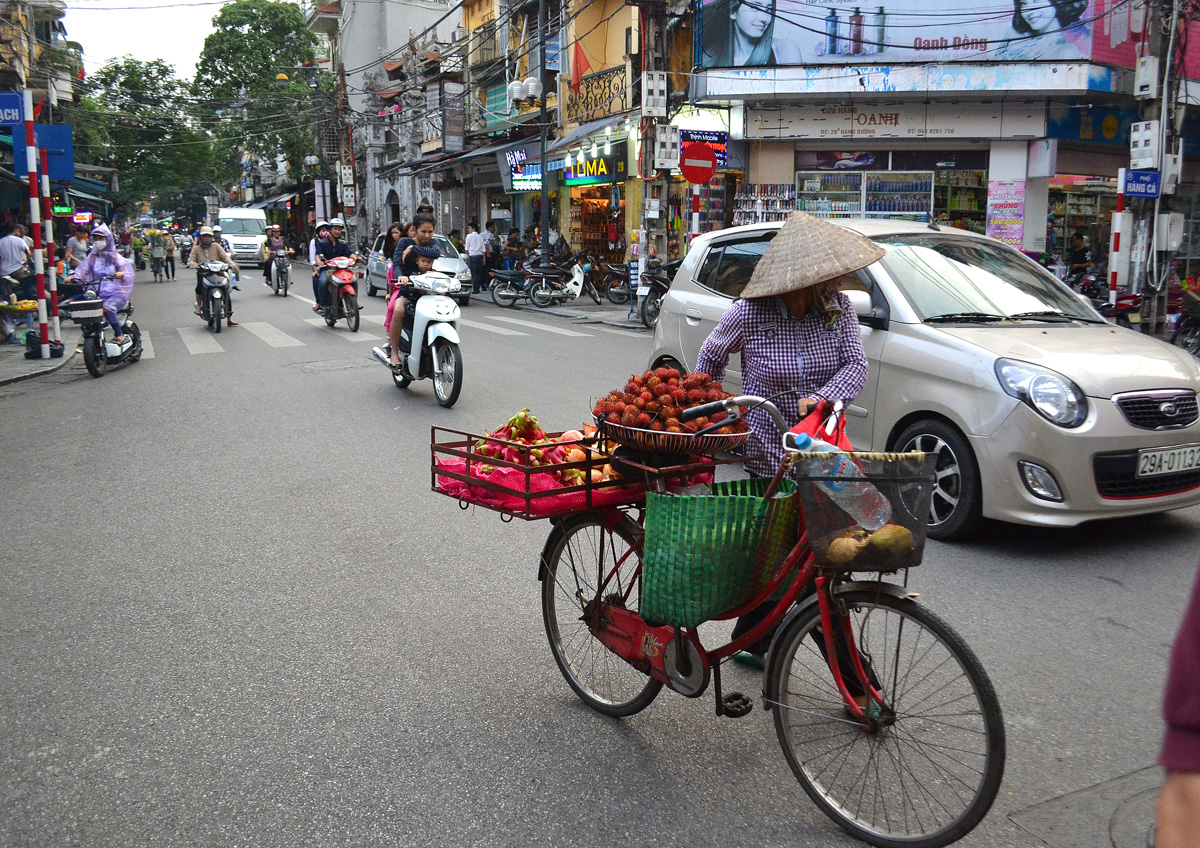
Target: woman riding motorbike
(113, 272)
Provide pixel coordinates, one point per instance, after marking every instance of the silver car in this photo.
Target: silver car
(451, 262)
(1040, 412)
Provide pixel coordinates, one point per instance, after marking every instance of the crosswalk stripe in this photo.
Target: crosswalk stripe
(271, 335)
(618, 332)
(546, 327)
(503, 331)
(147, 347)
(374, 319)
(199, 340)
(341, 330)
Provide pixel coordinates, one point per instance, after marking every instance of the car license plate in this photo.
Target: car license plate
(1152, 463)
(642, 291)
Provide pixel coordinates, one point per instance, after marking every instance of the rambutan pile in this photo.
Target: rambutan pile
(656, 400)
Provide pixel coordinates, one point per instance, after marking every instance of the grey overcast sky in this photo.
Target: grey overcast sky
(143, 29)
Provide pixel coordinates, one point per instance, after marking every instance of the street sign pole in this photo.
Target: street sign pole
(35, 220)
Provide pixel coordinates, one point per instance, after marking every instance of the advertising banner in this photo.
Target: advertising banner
(1006, 211)
(737, 34)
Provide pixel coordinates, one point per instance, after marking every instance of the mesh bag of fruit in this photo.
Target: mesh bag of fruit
(866, 511)
(708, 554)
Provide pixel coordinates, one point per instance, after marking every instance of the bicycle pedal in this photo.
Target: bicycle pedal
(735, 705)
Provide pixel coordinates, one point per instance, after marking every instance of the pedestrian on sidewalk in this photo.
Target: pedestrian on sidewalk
(475, 258)
(168, 244)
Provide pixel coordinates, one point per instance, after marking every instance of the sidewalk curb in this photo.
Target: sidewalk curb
(40, 372)
(576, 317)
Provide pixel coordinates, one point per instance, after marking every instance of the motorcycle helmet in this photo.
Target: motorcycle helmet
(322, 225)
(337, 222)
(206, 231)
(216, 229)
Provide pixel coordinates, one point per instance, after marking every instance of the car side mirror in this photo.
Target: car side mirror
(869, 315)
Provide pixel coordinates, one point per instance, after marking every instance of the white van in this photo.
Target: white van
(246, 232)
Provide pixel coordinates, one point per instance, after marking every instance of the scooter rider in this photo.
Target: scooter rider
(208, 250)
(112, 271)
(228, 248)
(405, 263)
(320, 238)
(332, 248)
(273, 243)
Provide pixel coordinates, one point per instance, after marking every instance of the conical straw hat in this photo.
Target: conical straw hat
(808, 251)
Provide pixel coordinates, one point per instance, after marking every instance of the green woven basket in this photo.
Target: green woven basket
(705, 555)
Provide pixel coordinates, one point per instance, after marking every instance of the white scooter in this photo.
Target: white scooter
(545, 290)
(433, 323)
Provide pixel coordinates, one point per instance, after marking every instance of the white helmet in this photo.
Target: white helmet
(337, 222)
(321, 224)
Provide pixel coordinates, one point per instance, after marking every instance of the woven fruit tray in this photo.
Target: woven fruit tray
(524, 490)
(656, 441)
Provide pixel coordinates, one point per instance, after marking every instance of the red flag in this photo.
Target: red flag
(37, 110)
(82, 73)
(579, 66)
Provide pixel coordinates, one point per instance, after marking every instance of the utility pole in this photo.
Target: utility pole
(544, 224)
(1152, 270)
(655, 182)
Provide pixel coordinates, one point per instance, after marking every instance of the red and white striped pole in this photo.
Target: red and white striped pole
(1115, 248)
(35, 219)
(695, 228)
(48, 236)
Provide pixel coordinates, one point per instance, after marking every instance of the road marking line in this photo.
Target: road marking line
(343, 333)
(199, 340)
(618, 332)
(374, 319)
(147, 347)
(271, 335)
(503, 331)
(537, 326)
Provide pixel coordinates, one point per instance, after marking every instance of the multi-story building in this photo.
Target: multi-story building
(363, 36)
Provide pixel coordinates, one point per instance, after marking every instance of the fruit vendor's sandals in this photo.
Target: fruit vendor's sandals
(748, 659)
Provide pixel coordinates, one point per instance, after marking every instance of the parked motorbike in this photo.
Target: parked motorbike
(432, 322)
(1125, 312)
(1187, 328)
(508, 287)
(558, 287)
(280, 272)
(616, 283)
(652, 288)
(99, 350)
(216, 285)
(341, 293)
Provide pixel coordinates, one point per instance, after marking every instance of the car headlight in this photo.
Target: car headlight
(464, 275)
(1049, 393)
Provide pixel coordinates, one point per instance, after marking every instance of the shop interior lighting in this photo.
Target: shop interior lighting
(595, 150)
(580, 158)
(607, 147)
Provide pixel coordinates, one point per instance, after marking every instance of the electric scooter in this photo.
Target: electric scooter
(429, 341)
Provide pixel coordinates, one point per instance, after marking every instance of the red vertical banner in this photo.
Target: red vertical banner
(48, 239)
(35, 220)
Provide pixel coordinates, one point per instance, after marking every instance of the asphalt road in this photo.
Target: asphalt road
(232, 613)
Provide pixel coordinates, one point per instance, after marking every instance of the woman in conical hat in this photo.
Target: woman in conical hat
(799, 341)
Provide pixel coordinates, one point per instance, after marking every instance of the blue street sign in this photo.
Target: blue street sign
(1142, 183)
(60, 149)
(11, 112)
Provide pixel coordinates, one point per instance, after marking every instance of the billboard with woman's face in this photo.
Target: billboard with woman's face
(746, 33)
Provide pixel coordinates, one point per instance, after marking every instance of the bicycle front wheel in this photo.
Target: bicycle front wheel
(929, 771)
(575, 565)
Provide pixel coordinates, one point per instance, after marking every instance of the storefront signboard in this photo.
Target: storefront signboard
(1006, 211)
(454, 117)
(598, 171)
(11, 108)
(717, 140)
(897, 120)
(1142, 183)
(82, 218)
(828, 32)
(1094, 125)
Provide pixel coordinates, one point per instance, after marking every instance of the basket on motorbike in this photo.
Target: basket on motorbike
(82, 312)
(866, 511)
(707, 554)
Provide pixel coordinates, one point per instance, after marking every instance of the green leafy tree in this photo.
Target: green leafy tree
(137, 117)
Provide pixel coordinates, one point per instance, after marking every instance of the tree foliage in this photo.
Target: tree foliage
(252, 41)
(136, 117)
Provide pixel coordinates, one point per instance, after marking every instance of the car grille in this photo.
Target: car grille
(1146, 410)
(1116, 478)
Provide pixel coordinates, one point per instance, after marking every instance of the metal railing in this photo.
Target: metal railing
(600, 94)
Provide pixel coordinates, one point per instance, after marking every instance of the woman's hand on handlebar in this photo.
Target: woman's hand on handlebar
(807, 405)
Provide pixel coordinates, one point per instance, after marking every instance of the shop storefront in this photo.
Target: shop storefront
(595, 199)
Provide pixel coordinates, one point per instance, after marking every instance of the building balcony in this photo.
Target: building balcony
(601, 94)
(325, 19)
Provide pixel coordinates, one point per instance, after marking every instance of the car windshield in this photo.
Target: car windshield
(449, 251)
(958, 278)
(243, 227)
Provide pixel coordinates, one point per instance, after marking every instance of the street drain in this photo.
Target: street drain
(330, 365)
(1118, 813)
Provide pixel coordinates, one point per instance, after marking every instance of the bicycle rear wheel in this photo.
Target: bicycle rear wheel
(929, 771)
(580, 554)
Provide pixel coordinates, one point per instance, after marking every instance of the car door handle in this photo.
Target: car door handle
(693, 316)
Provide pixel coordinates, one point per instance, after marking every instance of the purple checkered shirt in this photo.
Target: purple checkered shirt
(783, 354)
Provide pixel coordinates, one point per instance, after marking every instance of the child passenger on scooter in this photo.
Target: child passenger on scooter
(405, 259)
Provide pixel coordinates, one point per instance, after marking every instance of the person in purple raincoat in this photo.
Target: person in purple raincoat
(113, 272)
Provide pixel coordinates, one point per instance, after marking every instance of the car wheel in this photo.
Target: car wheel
(956, 504)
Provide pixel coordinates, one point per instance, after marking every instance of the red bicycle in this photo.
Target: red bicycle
(885, 716)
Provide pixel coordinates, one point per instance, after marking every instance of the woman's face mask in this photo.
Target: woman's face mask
(99, 244)
(206, 240)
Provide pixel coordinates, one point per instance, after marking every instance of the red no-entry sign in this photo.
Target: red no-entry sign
(697, 163)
